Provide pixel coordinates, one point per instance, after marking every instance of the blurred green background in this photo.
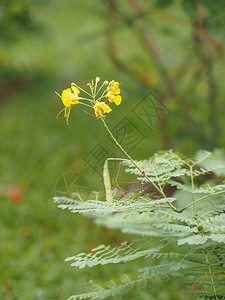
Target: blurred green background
(174, 49)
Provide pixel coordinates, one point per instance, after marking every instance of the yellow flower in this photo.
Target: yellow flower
(113, 92)
(100, 108)
(69, 97)
(114, 98)
(114, 87)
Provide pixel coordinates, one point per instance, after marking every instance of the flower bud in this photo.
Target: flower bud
(97, 79)
(105, 82)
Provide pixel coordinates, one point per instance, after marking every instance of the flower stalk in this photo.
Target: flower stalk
(111, 94)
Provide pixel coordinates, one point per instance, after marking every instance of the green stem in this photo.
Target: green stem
(90, 100)
(103, 95)
(134, 163)
(193, 189)
(100, 89)
(85, 104)
(217, 193)
(58, 94)
(94, 94)
(185, 256)
(82, 89)
(211, 276)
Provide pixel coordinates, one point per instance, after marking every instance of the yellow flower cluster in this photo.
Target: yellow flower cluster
(111, 94)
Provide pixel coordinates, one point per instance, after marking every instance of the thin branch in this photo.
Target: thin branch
(200, 199)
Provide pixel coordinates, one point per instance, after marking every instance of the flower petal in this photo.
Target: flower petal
(69, 98)
(105, 107)
(117, 99)
(116, 91)
(111, 98)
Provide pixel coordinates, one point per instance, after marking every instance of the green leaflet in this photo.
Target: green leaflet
(193, 240)
(103, 255)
